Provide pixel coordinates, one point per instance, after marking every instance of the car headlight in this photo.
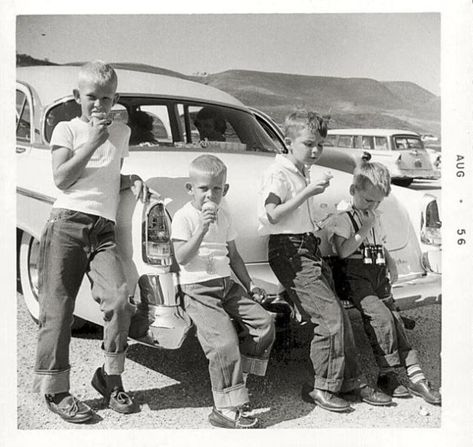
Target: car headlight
(430, 224)
(156, 236)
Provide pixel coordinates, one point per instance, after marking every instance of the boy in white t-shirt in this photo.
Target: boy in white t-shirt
(204, 243)
(79, 238)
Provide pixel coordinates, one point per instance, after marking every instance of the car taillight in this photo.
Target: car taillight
(430, 231)
(156, 236)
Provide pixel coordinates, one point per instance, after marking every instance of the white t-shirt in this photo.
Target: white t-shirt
(97, 190)
(341, 225)
(284, 180)
(211, 261)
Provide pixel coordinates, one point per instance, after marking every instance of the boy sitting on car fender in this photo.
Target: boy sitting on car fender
(358, 239)
(204, 242)
(294, 256)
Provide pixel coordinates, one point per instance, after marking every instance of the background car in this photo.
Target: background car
(164, 142)
(401, 151)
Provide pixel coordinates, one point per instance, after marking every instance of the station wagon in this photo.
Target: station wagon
(402, 151)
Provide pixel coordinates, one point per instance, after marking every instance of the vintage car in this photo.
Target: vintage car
(161, 112)
(401, 151)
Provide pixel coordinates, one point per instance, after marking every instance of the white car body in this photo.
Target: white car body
(41, 90)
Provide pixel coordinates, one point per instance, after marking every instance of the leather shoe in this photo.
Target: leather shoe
(390, 385)
(372, 396)
(70, 409)
(324, 399)
(217, 419)
(114, 395)
(422, 389)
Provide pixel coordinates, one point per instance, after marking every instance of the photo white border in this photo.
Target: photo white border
(457, 330)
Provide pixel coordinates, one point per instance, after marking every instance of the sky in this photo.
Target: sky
(381, 46)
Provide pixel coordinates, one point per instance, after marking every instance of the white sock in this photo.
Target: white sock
(245, 377)
(230, 413)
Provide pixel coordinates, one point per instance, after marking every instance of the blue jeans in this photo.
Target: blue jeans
(296, 262)
(211, 305)
(73, 244)
(370, 291)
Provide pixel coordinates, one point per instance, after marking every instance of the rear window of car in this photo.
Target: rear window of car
(158, 123)
(407, 142)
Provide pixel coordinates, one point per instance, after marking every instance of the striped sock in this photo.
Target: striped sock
(415, 374)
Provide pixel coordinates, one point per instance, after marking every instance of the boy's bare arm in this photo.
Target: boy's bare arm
(136, 184)
(276, 210)
(186, 250)
(68, 166)
(345, 247)
(238, 266)
(391, 265)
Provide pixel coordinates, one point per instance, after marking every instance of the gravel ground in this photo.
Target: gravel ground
(173, 388)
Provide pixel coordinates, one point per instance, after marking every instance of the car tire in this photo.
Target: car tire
(402, 181)
(28, 263)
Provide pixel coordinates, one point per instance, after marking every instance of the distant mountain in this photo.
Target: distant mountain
(351, 102)
(24, 60)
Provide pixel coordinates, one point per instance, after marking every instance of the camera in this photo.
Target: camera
(373, 254)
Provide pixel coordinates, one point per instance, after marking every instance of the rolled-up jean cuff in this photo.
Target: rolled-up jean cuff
(337, 385)
(252, 365)
(389, 360)
(51, 382)
(234, 396)
(114, 363)
(352, 384)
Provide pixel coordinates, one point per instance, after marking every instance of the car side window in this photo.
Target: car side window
(150, 124)
(345, 141)
(330, 140)
(367, 142)
(64, 111)
(273, 135)
(224, 129)
(23, 118)
(381, 143)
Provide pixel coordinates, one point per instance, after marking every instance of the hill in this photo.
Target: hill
(351, 102)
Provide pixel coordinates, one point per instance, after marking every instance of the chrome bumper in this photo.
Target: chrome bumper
(418, 292)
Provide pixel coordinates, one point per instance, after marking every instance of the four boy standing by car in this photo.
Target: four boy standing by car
(79, 239)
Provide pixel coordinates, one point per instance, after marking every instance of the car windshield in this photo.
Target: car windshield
(410, 142)
(171, 124)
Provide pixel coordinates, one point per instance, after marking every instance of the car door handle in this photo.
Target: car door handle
(20, 150)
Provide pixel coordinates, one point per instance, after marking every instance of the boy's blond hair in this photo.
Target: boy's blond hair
(207, 164)
(305, 119)
(373, 173)
(98, 72)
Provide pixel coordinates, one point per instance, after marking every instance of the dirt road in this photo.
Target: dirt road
(173, 389)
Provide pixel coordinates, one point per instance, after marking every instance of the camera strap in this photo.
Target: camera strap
(357, 228)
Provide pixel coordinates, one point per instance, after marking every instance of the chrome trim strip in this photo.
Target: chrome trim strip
(35, 195)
